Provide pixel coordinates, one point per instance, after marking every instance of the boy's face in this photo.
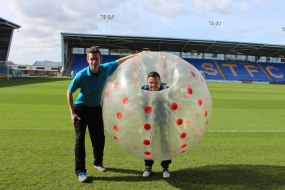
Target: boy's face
(94, 61)
(153, 83)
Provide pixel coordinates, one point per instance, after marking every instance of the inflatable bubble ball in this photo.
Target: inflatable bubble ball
(157, 125)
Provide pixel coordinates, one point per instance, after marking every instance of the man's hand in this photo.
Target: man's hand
(74, 117)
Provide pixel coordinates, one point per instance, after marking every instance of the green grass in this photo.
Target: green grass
(243, 147)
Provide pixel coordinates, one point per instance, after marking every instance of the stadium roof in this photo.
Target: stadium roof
(47, 63)
(7, 25)
(6, 34)
(172, 44)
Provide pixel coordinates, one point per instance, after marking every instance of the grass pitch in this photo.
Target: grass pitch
(243, 147)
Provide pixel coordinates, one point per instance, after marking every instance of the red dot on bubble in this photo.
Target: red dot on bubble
(206, 113)
(183, 135)
(107, 94)
(116, 128)
(119, 115)
(174, 106)
(147, 109)
(147, 153)
(146, 142)
(200, 102)
(125, 100)
(189, 90)
(147, 126)
(116, 84)
(183, 146)
(179, 121)
(134, 70)
(116, 139)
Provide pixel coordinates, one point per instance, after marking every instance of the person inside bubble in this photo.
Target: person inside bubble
(154, 84)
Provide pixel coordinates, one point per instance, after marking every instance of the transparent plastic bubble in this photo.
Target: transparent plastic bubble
(157, 125)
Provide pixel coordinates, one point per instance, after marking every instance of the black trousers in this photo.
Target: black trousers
(90, 117)
(164, 163)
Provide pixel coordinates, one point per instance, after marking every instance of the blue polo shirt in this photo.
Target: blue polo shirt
(91, 86)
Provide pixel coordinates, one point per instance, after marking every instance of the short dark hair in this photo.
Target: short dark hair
(153, 74)
(93, 50)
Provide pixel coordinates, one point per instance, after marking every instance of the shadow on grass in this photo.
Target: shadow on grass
(30, 80)
(126, 171)
(213, 177)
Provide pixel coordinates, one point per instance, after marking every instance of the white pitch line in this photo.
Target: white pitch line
(246, 131)
(210, 131)
(38, 129)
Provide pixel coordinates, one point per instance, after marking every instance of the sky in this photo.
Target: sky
(43, 21)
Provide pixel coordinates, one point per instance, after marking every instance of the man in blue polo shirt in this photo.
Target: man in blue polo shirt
(87, 111)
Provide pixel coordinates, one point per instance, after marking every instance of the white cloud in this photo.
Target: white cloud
(42, 22)
(220, 6)
(165, 7)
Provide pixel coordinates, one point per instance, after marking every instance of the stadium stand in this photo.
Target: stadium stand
(208, 67)
(243, 72)
(275, 70)
(6, 33)
(79, 62)
(213, 69)
(217, 60)
(3, 68)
